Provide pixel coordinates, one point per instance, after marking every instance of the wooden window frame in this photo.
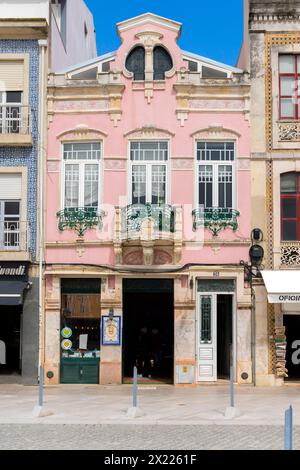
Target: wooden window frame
(296, 96)
(295, 196)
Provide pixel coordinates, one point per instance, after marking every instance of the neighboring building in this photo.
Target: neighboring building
(146, 147)
(24, 54)
(271, 52)
(73, 36)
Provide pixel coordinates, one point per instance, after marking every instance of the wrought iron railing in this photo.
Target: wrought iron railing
(15, 119)
(80, 219)
(133, 216)
(215, 219)
(14, 235)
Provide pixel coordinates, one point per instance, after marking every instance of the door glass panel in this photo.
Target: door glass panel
(158, 184)
(287, 86)
(288, 183)
(91, 185)
(289, 207)
(289, 230)
(139, 184)
(71, 185)
(287, 107)
(205, 185)
(206, 320)
(286, 63)
(225, 186)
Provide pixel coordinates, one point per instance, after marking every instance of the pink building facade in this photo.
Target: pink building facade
(148, 215)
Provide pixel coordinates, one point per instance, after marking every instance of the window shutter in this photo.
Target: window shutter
(11, 75)
(10, 186)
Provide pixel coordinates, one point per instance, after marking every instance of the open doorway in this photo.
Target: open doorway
(292, 332)
(224, 335)
(10, 340)
(148, 330)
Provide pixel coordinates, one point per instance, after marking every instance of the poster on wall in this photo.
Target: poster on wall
(111, 331)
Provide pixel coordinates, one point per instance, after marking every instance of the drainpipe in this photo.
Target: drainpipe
(253, 333)
(42, 141)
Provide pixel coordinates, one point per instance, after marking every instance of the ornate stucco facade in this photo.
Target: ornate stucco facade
(272, 31)
(195, 104)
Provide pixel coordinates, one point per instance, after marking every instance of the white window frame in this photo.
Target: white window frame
(81, 164)
(215, 169)
(5, 120)
(3, 216)
(149, 164)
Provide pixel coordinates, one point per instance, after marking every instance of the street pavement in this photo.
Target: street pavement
(95, 417)
(139, 437)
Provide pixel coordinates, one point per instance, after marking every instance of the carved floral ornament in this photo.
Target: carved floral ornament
(216, 131)
(81, 132)
(149, 40)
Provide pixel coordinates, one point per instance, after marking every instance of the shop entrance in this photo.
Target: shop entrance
(10, 340)
(215, 327)
(292, 332)
(148, 331)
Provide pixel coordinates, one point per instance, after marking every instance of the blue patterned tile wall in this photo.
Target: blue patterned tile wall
(13, 157)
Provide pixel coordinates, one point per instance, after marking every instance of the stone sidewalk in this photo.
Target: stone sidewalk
(203, 405)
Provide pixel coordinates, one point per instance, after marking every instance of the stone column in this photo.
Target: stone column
(243, 344)
(184, 329)
(111, 356)
(52, 330)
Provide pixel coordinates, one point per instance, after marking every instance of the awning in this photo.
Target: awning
(11, 292)
(282, 286)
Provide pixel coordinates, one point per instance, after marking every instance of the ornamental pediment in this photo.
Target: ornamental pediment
(81, 132)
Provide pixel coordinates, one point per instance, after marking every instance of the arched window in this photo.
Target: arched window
(290, 206)
(135, 63)
(162, 62)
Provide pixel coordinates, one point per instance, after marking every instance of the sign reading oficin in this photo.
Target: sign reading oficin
(284, 298)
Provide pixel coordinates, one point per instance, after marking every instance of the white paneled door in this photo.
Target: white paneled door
(207, 338)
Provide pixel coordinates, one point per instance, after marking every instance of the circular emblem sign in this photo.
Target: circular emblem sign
(66, 332)
(66, 344)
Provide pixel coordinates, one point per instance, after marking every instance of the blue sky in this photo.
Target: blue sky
(213, 29)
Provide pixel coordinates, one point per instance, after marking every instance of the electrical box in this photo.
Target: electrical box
(185, 374)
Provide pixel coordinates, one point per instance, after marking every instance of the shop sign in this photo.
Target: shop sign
(111, 331)
(284, 298)
(14, 271)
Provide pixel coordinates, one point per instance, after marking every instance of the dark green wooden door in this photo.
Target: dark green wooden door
(79, 371)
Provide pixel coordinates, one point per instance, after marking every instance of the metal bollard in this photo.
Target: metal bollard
(134, 390)
(41, 388)
(288, 429)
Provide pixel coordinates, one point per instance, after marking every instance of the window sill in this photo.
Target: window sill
(14, 255)
(16, 140)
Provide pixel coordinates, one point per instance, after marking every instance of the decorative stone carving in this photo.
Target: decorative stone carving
(162, 257)
(289, 131)
(133, 257)
(290, 253)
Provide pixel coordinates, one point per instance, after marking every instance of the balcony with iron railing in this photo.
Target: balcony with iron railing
(15, 126)
(215, 219)
(14, 238)
(80, 219)
(148, 226)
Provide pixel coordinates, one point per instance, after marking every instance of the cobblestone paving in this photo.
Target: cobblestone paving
(126, 437)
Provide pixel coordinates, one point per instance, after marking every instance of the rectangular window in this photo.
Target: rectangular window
(290, 206)
(82, 172)
(11, 112)
(289, 91)
(149, 172)
(9, 224)
(215, 179)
